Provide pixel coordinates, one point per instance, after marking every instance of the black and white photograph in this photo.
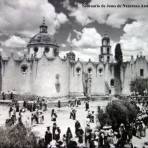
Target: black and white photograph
(73, 73)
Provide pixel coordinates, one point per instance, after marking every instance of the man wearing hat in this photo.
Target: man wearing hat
(88, 131)
(48, 136)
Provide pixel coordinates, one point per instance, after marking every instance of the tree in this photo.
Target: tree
(118, 54)
(139, 85)
(121, 112)
(118, 112)
(117, 68)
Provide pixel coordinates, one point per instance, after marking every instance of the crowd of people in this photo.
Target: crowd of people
(36, 109)
(83, 137)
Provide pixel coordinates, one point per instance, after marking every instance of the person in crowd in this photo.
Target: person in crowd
(77, 126)
(53, 115)
(57, 133)
(87, 105)
(11, 96)
(122, 137)
(96, 137)
(54, 127)
(79, 102)
(3, 96)
(92, 117)
(41, 117)
(143, 132)
(59, 104)
(34, 106)
(73, 114)
(64, 139)
(20, 116)
(68, 135)
(101, 140)
(40, 104)
(80, 134)
(24, 104)
(72, 144)
(48, 137)
(88, 133)
(10, 111)
(17, 106)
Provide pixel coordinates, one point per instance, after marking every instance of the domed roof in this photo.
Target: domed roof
(42, 38)
(71, 53)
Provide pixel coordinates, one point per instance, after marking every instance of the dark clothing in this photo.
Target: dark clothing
(73, 114)
(53, 116)
(80, 133)
(57, 134)
(68, 136)
(3, 96)
(72, 144)
(59, 104)
(48, 137)
(77, 126)
(87, 134)
(86, 106)
(53, 131)
(11, 96)
(92, 144)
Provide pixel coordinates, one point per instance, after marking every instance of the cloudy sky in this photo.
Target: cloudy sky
(75, 26)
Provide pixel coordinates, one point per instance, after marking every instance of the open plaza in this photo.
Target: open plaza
(64, 119)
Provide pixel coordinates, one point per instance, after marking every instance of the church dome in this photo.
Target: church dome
(42, 38)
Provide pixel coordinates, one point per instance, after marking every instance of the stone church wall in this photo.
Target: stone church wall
(13, 78)
(50, 77)
(76, 79)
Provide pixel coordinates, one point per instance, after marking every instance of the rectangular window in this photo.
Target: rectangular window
(141, 72)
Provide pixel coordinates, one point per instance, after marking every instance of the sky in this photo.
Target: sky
(74, 26)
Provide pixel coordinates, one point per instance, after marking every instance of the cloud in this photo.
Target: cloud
(135, 39)
(25, 16)
(88, 38)
(14, 42)
(133, 21)
(86, 44)
(80, 16)
(115, 17)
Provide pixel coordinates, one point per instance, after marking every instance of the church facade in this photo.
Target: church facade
(42, 72)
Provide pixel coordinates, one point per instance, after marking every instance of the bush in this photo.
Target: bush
(118, 112)
(103, 118)
(17, 137)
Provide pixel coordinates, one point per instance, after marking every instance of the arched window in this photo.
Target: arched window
(24, 68)
(78, 69)
(47, 49)
(89, 70)
(35, 49)
(100, 70)
(112, 82)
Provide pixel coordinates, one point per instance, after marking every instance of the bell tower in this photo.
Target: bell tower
(105, 53)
